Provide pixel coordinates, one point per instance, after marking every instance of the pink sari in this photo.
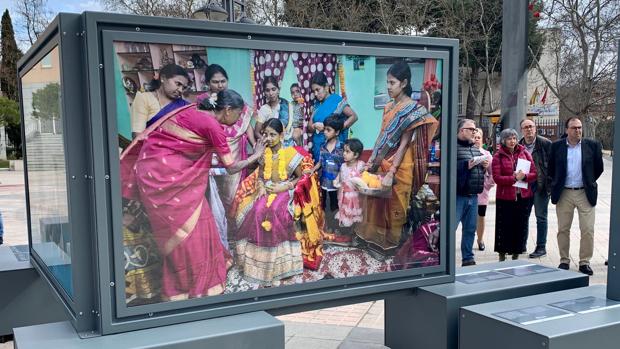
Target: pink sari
(237, 143)
(167, 169)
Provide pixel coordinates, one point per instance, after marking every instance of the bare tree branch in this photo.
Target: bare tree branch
(34, 17)
(585, 52)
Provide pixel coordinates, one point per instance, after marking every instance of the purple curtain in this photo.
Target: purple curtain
(267, 63)
(306, 64)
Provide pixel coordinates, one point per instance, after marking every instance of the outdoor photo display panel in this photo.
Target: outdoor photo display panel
(346, 181)
(45, 154)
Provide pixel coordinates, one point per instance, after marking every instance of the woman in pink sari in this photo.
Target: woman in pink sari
(166, 168)
(238, 136)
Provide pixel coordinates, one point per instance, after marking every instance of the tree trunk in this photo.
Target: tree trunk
(470, 109)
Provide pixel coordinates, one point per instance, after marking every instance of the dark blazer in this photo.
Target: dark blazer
(591, 167)
(541, 161)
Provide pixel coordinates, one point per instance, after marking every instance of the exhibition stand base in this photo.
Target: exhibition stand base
(25, 298)
(570, 319)
(429, 316)
(257, 330)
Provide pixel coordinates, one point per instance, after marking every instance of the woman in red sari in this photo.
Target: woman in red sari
(166, 168)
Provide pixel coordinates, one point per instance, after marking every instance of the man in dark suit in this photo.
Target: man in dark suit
(575, 163)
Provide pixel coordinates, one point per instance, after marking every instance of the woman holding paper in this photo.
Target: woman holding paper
(514, 174)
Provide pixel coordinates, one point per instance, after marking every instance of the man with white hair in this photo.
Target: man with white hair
(538, 147)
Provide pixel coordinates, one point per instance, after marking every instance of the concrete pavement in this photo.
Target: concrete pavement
(361, 325)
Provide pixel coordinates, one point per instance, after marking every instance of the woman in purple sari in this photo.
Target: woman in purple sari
(166, 96)
(166, 169)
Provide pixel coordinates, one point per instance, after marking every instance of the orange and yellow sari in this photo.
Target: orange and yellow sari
(384, 218)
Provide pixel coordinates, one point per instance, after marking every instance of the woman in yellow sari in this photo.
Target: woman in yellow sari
(277, 209)
(400, 154)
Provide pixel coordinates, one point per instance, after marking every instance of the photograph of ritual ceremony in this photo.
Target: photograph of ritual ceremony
(243, 169)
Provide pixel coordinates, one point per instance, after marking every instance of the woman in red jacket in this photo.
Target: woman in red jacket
(514, 195)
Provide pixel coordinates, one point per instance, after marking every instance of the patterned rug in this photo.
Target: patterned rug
(338, 262)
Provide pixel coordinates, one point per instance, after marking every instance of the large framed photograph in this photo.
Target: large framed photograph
(247, 169)
(204, 169)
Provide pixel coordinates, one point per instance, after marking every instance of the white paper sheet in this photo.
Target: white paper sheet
(524, 166)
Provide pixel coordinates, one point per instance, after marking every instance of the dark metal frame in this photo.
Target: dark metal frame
(613, 272)
(82, 307)
(86, 46)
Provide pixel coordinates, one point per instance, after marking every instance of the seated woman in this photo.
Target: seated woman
(277, 210)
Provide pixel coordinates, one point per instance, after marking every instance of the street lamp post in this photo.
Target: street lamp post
(224, 11)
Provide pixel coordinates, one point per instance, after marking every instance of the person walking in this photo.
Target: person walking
(575, 165)
(538, 147)
(471, 166)
(513, 198)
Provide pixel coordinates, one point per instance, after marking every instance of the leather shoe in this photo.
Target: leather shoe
(564, 266)
(481, 246)
(586, 269)
(538, 252)
(468, 263)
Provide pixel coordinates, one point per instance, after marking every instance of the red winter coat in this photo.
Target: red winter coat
(503, 165)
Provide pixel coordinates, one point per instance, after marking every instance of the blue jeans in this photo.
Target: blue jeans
(467, 213)
(541, 203)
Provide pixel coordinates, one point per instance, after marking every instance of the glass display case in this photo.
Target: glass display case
(180, 169)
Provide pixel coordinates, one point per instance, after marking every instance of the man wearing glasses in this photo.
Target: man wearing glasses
(538, 147)
(471, 165)
(575, 163)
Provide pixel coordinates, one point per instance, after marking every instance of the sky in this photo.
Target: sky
(75, 6)
(56, 6)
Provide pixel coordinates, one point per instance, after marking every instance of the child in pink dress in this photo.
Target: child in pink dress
(349, 210)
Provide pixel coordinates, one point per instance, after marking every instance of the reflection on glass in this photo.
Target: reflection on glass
(329, 187)
(47, 186)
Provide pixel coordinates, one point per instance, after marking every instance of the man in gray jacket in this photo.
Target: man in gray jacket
(539, 148)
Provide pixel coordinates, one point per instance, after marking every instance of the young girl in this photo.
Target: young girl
(349, 211)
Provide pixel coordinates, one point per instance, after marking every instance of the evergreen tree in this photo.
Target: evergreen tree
(8, 76)
(10, 55)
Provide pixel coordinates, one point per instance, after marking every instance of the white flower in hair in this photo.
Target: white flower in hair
(213, 99)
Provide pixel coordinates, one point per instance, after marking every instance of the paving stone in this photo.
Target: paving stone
(349, 344)
(316, 331)
(312, 343)
(363, 334)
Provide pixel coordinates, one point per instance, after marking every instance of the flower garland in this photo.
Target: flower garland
(343, 93)
(267, 171)
(252, 78)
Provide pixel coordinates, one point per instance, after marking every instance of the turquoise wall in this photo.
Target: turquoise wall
(287, 80)
(122, 106)
(360, 89)
(236, 62)
(417, 75)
